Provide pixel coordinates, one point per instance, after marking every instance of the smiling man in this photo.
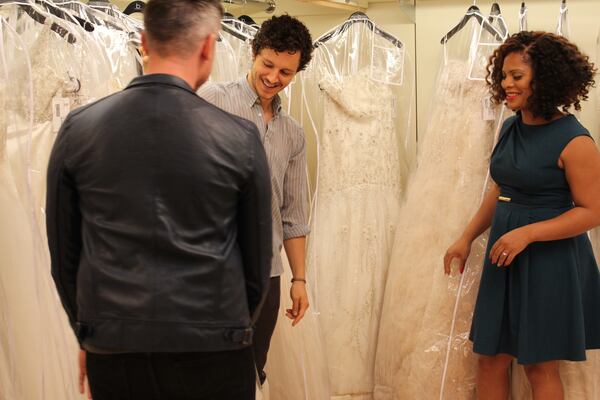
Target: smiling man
(281, 49)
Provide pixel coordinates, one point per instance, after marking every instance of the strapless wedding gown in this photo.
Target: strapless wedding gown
(441, 196)
(353, 225)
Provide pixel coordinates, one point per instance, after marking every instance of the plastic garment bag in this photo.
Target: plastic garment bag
(296, 367)
(523, 17)
(357, 96)
(423, 351)
(47, 363)
(563, 28)
(116, 41)
(119, 55)
(233, 53)
(16, 373)
(52, 66)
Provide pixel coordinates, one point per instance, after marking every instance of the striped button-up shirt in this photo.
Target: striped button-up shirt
(284, 143)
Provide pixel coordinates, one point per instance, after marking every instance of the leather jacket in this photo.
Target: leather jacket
(159, 221)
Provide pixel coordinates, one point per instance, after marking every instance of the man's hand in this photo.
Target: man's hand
(299, 302)
(83, 375)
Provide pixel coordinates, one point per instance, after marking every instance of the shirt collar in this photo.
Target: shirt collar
(164, 79)
(251, 98)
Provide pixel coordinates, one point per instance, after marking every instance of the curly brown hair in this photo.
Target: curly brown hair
(562, 75)
(284, 33)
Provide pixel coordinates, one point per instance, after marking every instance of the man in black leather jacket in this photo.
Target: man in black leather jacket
(159, 224)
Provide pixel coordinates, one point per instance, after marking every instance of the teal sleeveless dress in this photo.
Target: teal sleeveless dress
(545, 305)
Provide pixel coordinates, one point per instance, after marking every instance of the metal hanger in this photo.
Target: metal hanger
(358, 17)
(472, 12)
(135, 7)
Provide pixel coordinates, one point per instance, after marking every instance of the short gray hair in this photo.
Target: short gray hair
(176, 26)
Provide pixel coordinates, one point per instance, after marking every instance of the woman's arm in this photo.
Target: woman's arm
(478, 224)
(483, 217)
(581, 161)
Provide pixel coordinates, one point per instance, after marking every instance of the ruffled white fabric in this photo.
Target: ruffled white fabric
(353, 226)
(441, 197)
(297, 365)
(38, 350)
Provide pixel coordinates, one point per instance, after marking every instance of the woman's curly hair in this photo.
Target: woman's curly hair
(562, 75)
(284, 33)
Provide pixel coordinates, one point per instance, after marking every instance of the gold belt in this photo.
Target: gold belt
(505, 199)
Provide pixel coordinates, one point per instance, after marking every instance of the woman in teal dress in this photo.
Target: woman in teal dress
(539, 297)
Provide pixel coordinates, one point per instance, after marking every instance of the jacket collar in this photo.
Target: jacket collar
(160, 79)
(251, 98)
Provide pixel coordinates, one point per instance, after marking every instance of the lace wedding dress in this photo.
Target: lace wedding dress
(233, 58)
(15, 230)
(353, 225)
(441, 197)
(38, 350)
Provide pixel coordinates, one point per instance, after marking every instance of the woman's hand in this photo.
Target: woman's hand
(509, 246)
(459, 250)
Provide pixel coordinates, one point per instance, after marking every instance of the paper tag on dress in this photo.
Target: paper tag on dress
(488, 109)
(61, 106)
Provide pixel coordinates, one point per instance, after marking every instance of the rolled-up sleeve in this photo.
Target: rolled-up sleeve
(295, 201)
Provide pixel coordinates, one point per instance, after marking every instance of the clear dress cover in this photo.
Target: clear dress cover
(423, 351)
(355, 101)
(48, 67)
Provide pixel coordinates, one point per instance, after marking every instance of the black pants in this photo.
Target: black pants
(224, 375)
(265, 326)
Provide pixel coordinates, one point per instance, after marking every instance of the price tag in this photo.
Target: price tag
(488, 109)
(61, 106)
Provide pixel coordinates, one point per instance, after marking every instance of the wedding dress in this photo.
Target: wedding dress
(38, 349)
(15, 228)
(46, 364)
(441, 197)
(39, 363)
(353, 225)
(233, 58)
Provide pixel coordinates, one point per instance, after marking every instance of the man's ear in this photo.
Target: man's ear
(144, 42)
(208, 47)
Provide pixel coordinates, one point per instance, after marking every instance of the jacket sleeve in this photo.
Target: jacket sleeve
(255, 227)
(63, 225)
